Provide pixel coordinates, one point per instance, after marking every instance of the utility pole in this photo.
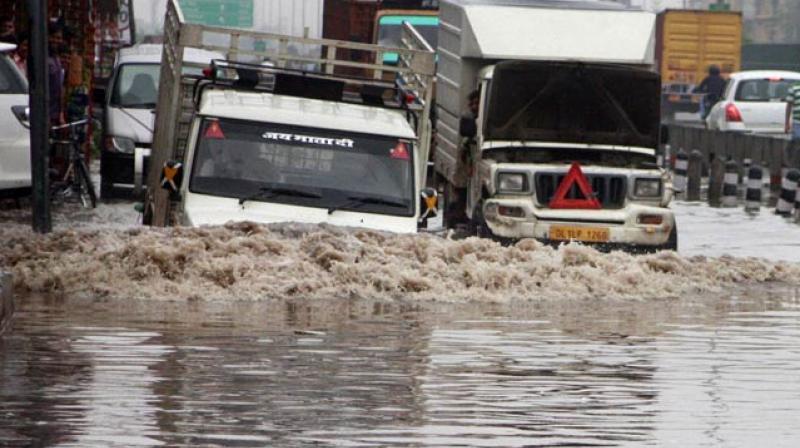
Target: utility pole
(39, 119)
(131, 22)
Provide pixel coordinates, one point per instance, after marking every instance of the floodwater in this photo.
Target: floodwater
(299, 336)
(717, 371)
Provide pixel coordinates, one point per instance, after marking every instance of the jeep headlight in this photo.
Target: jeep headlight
(121, 144)
(512, 182)
(647, 188)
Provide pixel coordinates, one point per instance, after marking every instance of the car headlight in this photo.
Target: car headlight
(121, 144)
(512, 182)
(647, 188)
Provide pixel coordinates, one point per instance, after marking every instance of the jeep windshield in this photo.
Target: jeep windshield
(310, 167)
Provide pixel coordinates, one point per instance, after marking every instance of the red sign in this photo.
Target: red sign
(574, 175)
(214, 130)
(400, 151)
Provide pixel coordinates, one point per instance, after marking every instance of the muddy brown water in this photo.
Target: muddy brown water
(722, 370)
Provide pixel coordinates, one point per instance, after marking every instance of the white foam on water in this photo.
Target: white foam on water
(246, 261)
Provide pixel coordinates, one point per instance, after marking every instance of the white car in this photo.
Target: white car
(15, 150)
(754, 101)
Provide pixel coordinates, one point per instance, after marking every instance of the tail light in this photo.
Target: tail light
(732, 113)
(652, 220)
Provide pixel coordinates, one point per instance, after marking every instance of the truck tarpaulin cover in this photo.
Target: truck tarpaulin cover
(573, 103)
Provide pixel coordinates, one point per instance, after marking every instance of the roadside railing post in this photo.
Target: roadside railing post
(786, 200)
(715, 182)
(681, 170)
(730, 187)
(752, 197)
(695, 176)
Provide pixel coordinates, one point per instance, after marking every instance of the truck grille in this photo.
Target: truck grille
(610, 190)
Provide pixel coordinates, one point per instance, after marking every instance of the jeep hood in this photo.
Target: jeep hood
(571, 102)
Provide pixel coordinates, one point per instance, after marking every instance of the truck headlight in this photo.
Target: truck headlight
(647, 188)
(121, 144)
(512, 183)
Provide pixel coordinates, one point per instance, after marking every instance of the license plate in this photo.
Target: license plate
(588, 234)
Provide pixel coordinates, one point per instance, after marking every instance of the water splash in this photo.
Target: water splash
(247, 261)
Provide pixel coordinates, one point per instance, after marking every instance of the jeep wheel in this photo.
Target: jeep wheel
(672, 242)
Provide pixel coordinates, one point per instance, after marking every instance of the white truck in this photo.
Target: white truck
(560, 141)
(271, 135)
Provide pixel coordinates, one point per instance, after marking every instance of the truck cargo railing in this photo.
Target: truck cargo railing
(415, 72)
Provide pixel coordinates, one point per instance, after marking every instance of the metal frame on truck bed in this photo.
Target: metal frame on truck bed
(277, 55)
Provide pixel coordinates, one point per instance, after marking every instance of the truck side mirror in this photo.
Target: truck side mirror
(99, 96)
(467, 127)
(23, 114)
(429, 205)
(171, 178)
(664, 134)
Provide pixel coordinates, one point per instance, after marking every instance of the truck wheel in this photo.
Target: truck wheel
(672, 242)
(106, 190)
(454, 206)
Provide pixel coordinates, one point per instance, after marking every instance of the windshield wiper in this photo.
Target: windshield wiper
(140, 106)
(271, 192)
(358, 201)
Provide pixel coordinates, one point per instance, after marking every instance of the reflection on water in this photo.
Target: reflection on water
(719, 372)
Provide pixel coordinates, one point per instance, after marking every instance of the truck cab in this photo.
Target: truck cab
(268, 143)
(563, 147)
(129, 113)
(269, 158)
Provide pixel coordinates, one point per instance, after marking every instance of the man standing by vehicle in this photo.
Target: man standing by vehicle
(713, 86)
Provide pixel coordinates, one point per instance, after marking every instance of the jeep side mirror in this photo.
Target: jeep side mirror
(664, 134)
(171, 178)
(467, 127)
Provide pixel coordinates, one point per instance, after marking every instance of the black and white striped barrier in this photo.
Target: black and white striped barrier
(786, 201)
(730, 184)
(681, 171)
(745, 167)
(752, 196)
(797, 204)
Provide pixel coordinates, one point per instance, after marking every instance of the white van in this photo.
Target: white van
(130, 110)
(15, 150)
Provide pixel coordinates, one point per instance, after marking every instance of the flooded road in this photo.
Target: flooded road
(297, 336)
(716, 371)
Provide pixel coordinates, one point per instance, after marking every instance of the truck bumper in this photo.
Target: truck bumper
(609, 228)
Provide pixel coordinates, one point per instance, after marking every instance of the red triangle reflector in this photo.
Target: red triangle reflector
(214, 130)
(400, 151)
(574, 175)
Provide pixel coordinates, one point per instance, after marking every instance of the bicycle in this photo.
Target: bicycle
(76, 180)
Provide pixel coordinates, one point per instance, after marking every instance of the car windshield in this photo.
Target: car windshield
(335, 170)
(136, 85)
(11, 81)
(764, 90)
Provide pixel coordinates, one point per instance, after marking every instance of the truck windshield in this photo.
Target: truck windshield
(390, 29)
(136, 85)
(322, 168)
